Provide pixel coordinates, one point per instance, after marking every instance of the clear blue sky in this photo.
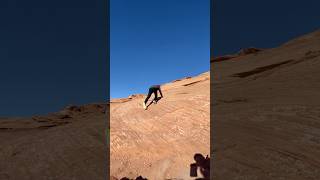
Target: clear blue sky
(156, 41)
(261, 23)
(52, 53)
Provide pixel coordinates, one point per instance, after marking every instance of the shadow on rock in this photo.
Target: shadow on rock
(203, 163)
(154, 101)
(138, 178)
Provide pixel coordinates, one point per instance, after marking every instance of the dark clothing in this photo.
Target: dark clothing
(153, 89)
(155, 86)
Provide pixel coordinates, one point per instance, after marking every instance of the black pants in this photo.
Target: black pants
(152, 90)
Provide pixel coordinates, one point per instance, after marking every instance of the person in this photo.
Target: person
(153, 89)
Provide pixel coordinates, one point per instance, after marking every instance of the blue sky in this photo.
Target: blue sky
(52, 54)
(154, 42)
(261, 23)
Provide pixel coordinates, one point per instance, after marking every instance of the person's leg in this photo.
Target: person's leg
(155, 91)
(149, 94)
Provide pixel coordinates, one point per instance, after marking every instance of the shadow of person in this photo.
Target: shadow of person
(138, 178)
(141, 178)
(202, 163)
(157, 99)
(154, 101)
(124, 178)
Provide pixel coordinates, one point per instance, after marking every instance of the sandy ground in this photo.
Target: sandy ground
(266, 113)
(159, 143)
(62, 146)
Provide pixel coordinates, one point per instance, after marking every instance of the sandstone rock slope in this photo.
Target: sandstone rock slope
(266, 113)
(159, 143)
(70, 144)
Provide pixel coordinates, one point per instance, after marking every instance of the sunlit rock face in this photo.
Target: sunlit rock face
(160, 142)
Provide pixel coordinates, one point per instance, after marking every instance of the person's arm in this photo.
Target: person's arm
(160, 92)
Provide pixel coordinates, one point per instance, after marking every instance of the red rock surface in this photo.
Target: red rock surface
(242, 52)
(266, 113)
(70, 144)
(160, 142)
